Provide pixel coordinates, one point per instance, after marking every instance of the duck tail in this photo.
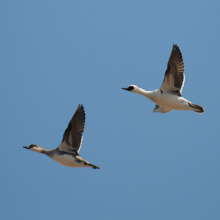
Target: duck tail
(197, 108)
(93, 166)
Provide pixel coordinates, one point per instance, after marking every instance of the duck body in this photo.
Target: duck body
(172, 102)
(167, 100)
(67, 159)
(70, 160)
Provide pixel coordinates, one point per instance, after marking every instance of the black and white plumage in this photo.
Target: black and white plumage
(174, 78)
(73, 135)
(169, 96)
(67, 153)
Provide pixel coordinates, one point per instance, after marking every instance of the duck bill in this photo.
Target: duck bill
(26, 147)
(125, 89)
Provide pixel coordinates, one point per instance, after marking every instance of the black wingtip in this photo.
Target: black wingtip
(175, 47)
(81, 106)
(82, 110)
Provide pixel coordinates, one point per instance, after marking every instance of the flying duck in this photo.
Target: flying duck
(169, 97)
(67, 153)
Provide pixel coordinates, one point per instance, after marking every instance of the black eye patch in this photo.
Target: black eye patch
(130, 88)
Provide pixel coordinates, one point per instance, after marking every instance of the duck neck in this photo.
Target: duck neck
(49, 152)
(148, 94)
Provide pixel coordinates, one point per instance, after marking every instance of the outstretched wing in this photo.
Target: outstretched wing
(72, 137)
(174, 76)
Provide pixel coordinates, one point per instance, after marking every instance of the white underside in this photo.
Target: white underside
(168, 100)
(68, 161)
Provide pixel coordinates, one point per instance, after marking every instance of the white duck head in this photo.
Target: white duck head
(133, 88)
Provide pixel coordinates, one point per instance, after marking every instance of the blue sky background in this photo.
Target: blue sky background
(57, 54)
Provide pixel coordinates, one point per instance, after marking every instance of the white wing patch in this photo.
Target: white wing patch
(183, 83)
(80, 144)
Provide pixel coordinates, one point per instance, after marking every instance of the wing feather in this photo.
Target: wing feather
(72, 137)
(174, 76)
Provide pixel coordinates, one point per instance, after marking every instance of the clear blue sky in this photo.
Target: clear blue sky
(57, 54)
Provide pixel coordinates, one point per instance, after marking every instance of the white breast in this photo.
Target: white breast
(67, 160)
(172, 101)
